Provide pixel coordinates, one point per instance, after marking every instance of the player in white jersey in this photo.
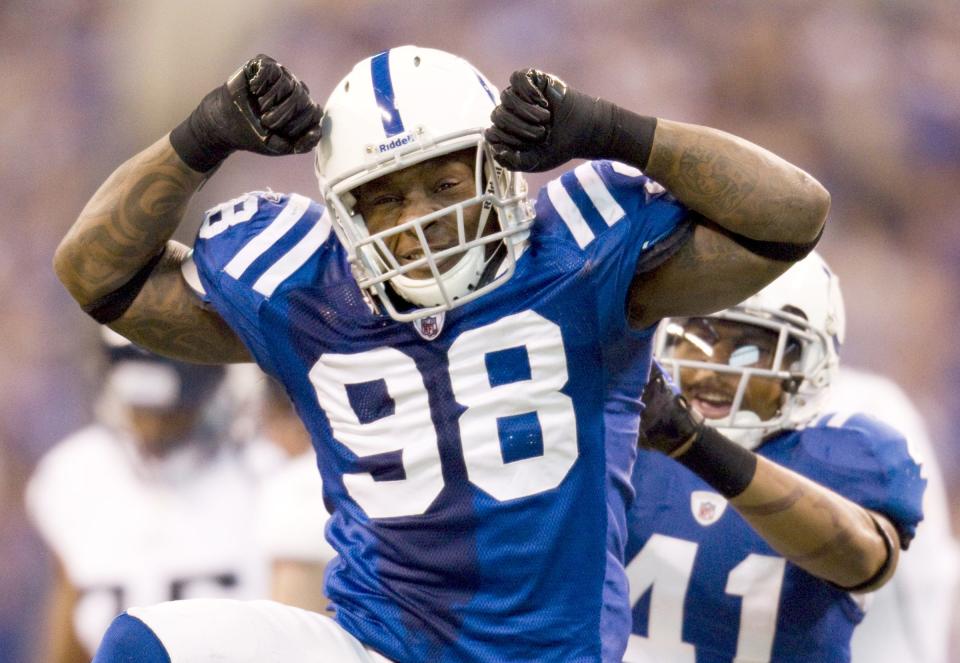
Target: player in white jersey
(145, 504)
(291, 515)
(910, 618)
(468, 364)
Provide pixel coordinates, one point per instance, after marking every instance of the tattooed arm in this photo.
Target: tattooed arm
(118, 261)
(817, 529)
(734, 188)
(127, 222)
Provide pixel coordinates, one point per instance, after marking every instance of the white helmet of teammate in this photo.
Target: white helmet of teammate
(804, 307)
(397, 109)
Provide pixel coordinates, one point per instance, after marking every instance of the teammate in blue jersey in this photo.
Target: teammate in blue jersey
(469, 364)
(820, 503)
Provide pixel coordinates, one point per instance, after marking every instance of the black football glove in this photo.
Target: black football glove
(262, 108)
(668, 421)
(542, 123)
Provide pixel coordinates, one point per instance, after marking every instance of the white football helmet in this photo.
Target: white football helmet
(396, 109)
(804, 307)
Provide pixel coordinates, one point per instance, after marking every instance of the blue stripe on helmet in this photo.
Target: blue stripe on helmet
(383, 91)
(483, 84)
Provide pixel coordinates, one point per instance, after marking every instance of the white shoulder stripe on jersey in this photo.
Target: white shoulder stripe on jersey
(567, 209)
(624, 169)
(294, 259)
(598, 193)
(838, 419)
(295, 208)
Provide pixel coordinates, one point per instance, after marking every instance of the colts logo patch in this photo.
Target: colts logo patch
(707, 507)
(430, 327)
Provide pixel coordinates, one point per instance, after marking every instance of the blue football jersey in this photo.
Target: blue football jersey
(478, 481)
(706, 588)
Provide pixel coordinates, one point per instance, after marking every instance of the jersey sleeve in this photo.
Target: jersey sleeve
(248, 249)
(623, 221)
(869, 463)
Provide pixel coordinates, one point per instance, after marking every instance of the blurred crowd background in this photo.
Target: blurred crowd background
(864, 94)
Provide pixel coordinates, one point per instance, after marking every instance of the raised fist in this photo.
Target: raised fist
(262, 108)
(542, 123)
(668, 421)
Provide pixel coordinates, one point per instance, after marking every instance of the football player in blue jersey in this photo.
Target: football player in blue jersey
(820, 502)
(468, 364)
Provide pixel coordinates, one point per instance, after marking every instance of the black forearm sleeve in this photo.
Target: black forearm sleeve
(722, 463)
(633, 137)
(112, 305)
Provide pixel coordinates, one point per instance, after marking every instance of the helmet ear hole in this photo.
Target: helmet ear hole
(794, 310)
(791, 385)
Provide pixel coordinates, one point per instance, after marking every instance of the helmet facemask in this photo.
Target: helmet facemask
(455, 271)
(803, 309)
(800, 362)
(398, 109)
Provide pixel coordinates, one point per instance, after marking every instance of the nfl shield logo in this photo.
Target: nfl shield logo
(707, 507)
(429, 327)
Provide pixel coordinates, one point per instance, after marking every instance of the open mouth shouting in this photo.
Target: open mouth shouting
(711, 402)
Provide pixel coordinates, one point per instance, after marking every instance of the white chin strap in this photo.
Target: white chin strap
(748, 432)
(457, 281)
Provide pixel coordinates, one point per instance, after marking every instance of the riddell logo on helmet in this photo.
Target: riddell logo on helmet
(398, 141)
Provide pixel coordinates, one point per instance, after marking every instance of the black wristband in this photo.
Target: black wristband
(112, 305)
(722, 463)
(632, 137)
(202, 140)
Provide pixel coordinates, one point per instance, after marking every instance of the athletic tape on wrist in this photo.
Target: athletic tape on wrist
(200, 157)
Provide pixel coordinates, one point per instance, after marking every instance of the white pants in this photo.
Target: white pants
(223, 630)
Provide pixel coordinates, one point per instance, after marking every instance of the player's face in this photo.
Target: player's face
(160, 431)
(417, 191)
(735, 344)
